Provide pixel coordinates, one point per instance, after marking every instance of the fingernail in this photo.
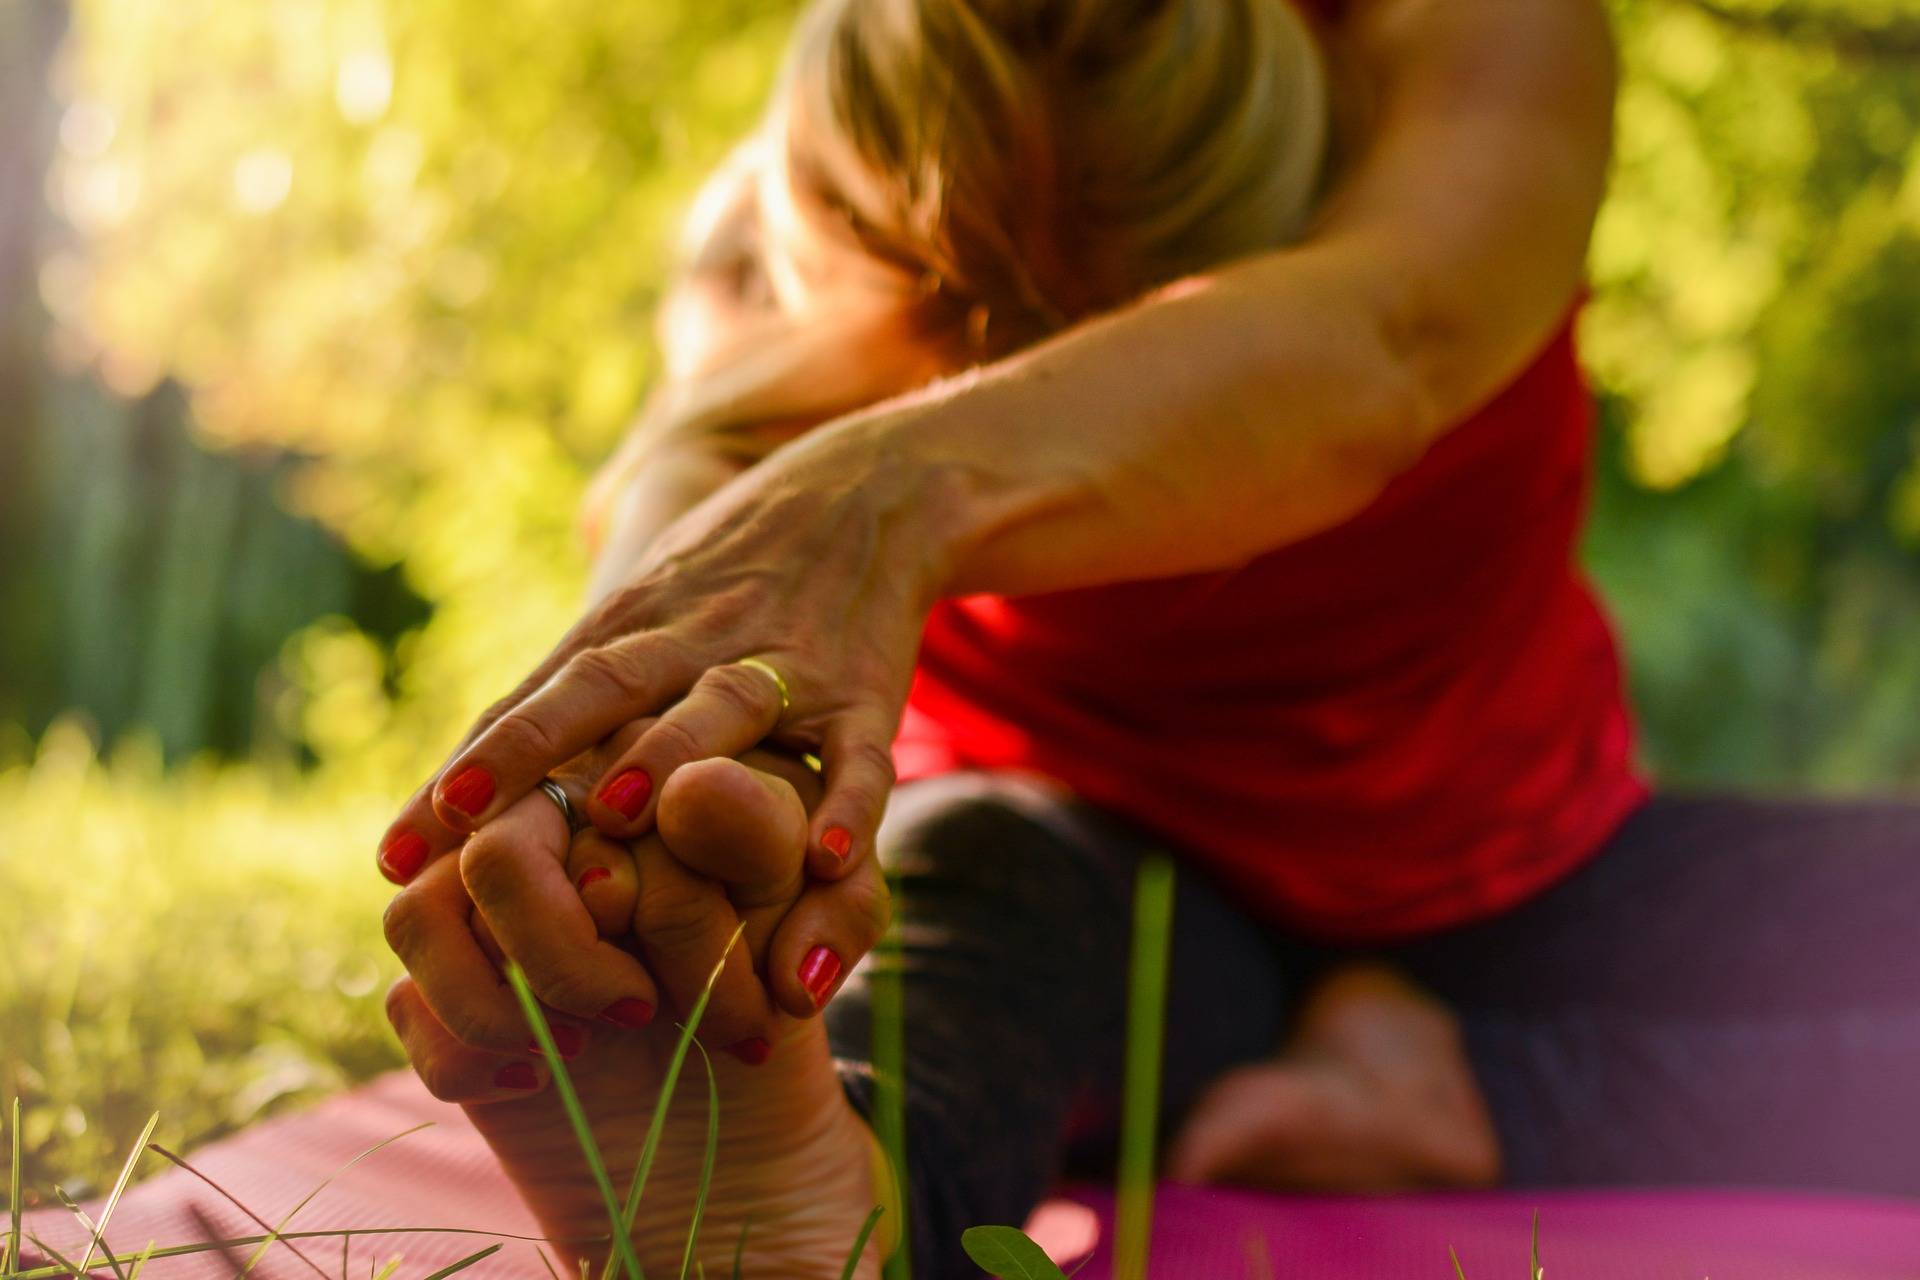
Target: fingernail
(569, 1040)
(592, 875)
(753, 1052)
(627, 793)
(469, 790)
(628, 1012)
(817, 973)
(837, 841)
(402, 857)
(517, 1075)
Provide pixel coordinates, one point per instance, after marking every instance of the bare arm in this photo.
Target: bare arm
(1274, 398)
(1247, 408)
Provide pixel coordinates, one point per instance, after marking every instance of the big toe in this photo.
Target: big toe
(738, 825)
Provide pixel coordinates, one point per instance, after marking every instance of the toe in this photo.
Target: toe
(737, 825)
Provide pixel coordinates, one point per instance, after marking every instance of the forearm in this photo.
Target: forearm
(1280, 395)
(1185, 434)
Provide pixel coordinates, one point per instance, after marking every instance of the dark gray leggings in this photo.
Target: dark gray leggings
(1729, 993)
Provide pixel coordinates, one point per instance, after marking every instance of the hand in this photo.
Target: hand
(729, 850)
(821, 562)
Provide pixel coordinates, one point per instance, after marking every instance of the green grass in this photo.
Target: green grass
(208, 941)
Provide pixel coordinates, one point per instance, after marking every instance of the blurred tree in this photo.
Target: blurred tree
(416, 246)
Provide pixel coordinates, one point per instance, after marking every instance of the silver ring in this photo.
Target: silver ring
(555, 793)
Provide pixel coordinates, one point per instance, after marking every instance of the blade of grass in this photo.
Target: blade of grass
(860, 1242)
(623, 1223)
(547, 1262)
(13, 1193)
(204, 1225)
(1534, 1254)
(466, 1262)
(393, 1265)
(889, 1050)
(1140, 1094)
(706, 1166)
(1259, 1257)
(577, 1117)
(740, 1248)
(266, 1244)
(86, 1225)
(119, 1189)
(50, 1272)
(63, 1265)
(1458, 1270)
(140, 1263)
(180, 1162)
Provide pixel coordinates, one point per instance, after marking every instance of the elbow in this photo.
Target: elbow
(1402, 405)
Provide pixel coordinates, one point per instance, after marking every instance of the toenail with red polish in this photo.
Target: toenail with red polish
(753, 1052)
(817, 973)
(627, 793)
(628, 1012)
(403, 856)
(592, 875)
(469, 790)
(517, 1075)
(837, 841)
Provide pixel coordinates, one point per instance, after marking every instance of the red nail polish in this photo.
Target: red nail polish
(402, 856)
(628, 1012)
(753, 1052)
(469, 791)
(817, 973)
(837, 841)
(592, 875)
(569, 1040)
(627, 793)
(517, 1075)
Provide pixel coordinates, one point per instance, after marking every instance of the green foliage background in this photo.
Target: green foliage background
(377, 279)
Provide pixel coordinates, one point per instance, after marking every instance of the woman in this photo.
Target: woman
(1141, 424)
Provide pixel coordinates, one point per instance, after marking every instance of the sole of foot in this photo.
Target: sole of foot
(796, 1167)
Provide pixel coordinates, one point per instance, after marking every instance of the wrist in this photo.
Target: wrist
(926, 505)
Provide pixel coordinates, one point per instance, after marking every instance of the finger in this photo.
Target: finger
(594, 693)
(426, 925)
(859, 777)
(602, 874)
(684, 923)
(825, 934)
(514, 869)
(418, 836)
(489, 945)
(452, 1071)
(729, 709)
(737, 825)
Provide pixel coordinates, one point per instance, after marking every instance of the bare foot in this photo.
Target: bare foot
(1373, 1093)
(796, 1164)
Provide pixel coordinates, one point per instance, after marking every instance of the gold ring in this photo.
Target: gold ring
(779, 681)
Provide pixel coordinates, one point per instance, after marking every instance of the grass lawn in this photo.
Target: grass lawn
(204, 943)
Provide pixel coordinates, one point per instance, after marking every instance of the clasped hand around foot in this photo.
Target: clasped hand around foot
(618, 940)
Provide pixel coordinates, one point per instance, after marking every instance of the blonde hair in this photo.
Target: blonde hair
(1026, 163)
(983, 172)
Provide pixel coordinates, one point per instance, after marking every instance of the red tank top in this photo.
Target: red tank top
(1409, 721)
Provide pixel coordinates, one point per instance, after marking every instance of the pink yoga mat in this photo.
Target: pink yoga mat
(444, 1177)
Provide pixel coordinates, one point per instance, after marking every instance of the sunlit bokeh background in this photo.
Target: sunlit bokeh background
(315, 314)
